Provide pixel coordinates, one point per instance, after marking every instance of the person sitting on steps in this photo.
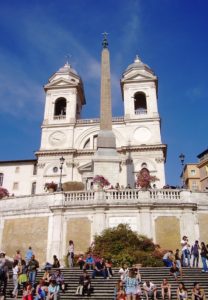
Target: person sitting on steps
(84, 284)
(99, 269)
(56, 263)
(150, 290)
(197, 292)
(89, 262)
(81, 261)
(166, 289)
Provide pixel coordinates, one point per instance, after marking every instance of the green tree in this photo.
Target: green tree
(122, 245)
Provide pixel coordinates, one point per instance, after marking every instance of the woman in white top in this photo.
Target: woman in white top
(123, 271)
(71, 254)
(182, 293)
(15, 271)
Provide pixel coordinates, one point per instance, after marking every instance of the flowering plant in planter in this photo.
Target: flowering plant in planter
(144, 179)
(3, 193)
(101, 181)
(51, 186)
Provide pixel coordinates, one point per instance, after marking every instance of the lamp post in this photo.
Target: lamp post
(182, 159)
(62, 159)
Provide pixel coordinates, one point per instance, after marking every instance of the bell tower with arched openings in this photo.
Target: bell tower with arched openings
(139, 90)
(63, 106)
(139, 87)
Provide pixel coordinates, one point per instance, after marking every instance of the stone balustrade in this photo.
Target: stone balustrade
(128, 196)
(85, 197)
(50, 201)
(97, 120)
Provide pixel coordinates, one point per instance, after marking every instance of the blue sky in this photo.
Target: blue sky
(169, 35)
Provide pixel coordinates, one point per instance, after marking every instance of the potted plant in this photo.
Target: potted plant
(144, 179)
(51, 187)
(3, 193)
(100, 181)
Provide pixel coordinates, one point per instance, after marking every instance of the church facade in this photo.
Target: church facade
(117, 148)
(65, 133)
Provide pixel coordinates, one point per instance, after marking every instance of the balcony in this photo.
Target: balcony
(59, 117)
(140, 111)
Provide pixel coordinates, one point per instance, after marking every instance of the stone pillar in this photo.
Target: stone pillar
(99, 221)
(146, 222)
(55, 237)
(1, 231)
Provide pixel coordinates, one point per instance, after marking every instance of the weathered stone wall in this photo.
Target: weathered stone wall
(203, 226)
(167, 232)
(79, 231)
(24, 232)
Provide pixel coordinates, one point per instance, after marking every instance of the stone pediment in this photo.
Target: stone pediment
(85, 167)
(60, 83)
(132, 76)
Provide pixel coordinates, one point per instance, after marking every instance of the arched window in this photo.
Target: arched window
(1, 178)
(95, 141)
(143, 165)
(140, 103)
(60, 108)
(87, 144)
(91, 143)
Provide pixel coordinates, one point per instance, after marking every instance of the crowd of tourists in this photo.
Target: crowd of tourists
(24, 277)
(129, 287)
(189, 256)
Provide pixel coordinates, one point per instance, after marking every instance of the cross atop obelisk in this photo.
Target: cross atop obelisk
(106, 137)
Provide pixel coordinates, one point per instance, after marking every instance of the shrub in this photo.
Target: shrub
(122, 245)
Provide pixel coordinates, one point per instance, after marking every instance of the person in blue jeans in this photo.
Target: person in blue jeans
(167, 258)
(99, 269)
(204, 255)
(33, 265)
(195, 252)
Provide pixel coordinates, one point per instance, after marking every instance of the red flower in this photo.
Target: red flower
(144, 178)
(102, 181)
(3, 193)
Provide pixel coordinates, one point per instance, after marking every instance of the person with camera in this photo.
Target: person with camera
(185, 251)
(131, 283)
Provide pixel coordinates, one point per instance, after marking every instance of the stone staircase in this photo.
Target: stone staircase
(103, 289)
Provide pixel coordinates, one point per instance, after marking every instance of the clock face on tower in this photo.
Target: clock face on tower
(57, 138)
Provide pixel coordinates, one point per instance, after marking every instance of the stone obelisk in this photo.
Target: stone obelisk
(106, 159)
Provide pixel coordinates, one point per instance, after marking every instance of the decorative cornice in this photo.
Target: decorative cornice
(41, 165)
(159, 159)
(123, 149)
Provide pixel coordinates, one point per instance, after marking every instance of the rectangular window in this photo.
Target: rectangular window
(15, 185)
(1, 178)
(35, 169)
(33, 189)
(17, 169)
(193, 172)
(194, 185)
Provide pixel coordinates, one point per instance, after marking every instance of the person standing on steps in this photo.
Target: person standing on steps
(204, 255)
(184, 245)
(29, 253)
(195, 252)
(71, 254)
(33, 265)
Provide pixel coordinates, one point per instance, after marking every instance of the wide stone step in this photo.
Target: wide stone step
(103, 289)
